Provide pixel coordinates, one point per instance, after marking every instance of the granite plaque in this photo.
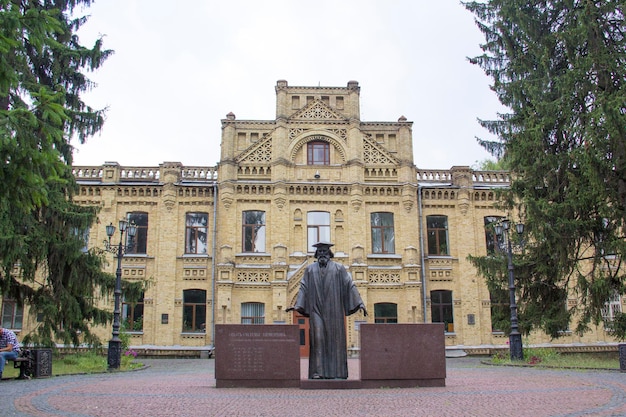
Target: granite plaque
(403, 355)
(257, 355)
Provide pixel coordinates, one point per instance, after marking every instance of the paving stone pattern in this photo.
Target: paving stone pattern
(185, 387)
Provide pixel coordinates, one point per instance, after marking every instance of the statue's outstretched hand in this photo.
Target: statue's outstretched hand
(288, 309)
(363, 309)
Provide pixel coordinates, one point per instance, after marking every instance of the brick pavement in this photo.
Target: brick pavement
(187, 388)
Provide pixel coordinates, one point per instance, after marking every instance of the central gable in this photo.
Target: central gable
(317, 110)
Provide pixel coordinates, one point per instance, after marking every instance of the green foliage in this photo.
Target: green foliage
(491, 165)
(559, 66)
(41, 109)
(539, 355)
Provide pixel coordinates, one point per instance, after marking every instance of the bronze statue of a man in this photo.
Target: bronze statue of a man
(327, 295)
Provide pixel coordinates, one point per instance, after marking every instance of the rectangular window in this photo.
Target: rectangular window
(492, 240)
(194, 311)
(602, 238)
(500, 310)
(252, 313)
(612, 308)
(441, 309)
(253, 225)
(140, 241)
(132, 315)
(83, 235)
(318, 228)
(12, 314)
(318, 153)
(382, 233)
(385, 313)
(437, 231)
(196, 233)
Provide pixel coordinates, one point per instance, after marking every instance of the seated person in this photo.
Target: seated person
(9, 347)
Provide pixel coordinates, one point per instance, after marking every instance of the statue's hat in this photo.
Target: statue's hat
(323, 244)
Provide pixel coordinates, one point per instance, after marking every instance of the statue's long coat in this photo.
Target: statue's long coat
(326, 296)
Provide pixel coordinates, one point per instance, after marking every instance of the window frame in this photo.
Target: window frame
(193, 233)
(313, 150)
(443, 307)
(140, 240)
(437, 237)
(612, 307)
(381, 311)
(252, 316)
(135, 310)
(15, 308)
(256, 231)
(317, 230)
(492, 241)
(198, 319)
(381, 231)
(500, 309)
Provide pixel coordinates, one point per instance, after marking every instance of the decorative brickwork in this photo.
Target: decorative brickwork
(264, 168)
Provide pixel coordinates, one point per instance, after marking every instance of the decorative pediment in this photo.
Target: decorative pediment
(317, 110)
(375, 154)
(296, 132)
(259, 153)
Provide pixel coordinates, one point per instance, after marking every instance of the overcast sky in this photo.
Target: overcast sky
(180, 67)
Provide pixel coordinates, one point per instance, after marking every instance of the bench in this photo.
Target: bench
(24, 363)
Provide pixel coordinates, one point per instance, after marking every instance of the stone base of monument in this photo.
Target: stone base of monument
(330, 384)
(403, 355)
(392, 356)
(257, 356)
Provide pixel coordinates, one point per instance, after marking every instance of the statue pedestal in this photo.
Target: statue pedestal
(392, 356)
(257, 356)
(403, 355)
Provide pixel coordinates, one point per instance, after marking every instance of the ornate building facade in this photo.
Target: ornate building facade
(229, 244)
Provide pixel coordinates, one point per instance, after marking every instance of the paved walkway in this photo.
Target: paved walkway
(187, 388)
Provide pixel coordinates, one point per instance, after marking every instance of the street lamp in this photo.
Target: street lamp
(114, 355)
(515, 338)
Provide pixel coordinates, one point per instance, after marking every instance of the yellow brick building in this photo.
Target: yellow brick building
(229, 244)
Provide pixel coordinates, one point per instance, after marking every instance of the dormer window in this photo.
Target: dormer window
(318, 153)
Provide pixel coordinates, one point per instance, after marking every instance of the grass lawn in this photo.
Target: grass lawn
(544, 357)
(86, 363)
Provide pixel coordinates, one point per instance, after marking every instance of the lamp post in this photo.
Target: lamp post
(114, 355)
(515, 338)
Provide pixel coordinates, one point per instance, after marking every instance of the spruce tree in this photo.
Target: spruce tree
(43, 259)
(560, 67)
